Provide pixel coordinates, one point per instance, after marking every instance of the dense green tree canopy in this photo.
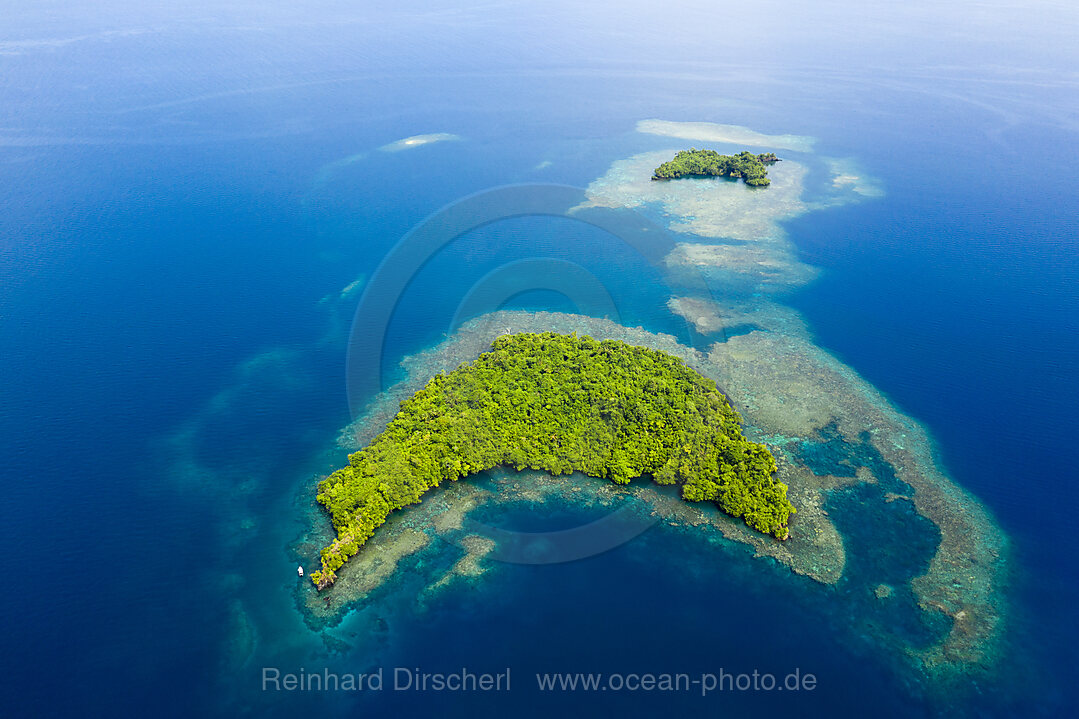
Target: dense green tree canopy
(559, 403)
(709, 163)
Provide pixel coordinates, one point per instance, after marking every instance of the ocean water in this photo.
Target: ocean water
(187, 198)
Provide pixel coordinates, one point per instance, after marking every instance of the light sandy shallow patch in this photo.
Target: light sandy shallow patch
(710, 316)
(760, 267)
(349, 290)
(847, 175)
(470, 565)
(734, 238)
(699, 312)
(725, 134)
(710, 207)
(409, 143)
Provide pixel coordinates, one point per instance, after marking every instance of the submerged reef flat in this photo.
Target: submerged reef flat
(726, 134)
(746, 264)
(470, 565)
(406, 541)
(847, 175)
(239, 638)
(798, 392)
(704, 206)
(408, 143)
(732, 234)
(701, 313)
(332, 168)
(711, 317)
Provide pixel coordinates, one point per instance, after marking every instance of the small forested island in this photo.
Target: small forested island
(709, 163)
(559, 403)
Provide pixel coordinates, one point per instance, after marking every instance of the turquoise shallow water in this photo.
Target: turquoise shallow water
(173, 379)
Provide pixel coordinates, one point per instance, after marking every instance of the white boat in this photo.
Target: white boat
(299, 570)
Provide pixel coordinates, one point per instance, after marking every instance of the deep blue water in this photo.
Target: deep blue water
(168, 374)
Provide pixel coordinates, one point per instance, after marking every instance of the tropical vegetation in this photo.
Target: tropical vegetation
(559, 403)
(709, 163)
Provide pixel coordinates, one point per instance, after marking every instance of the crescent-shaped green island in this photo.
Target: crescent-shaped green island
(562, 404)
